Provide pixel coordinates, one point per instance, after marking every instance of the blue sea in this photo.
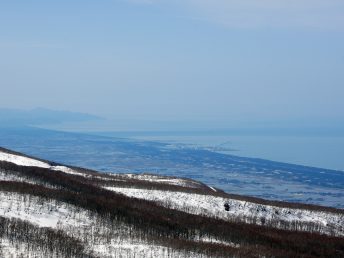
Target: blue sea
(295, 169)
(316, 151)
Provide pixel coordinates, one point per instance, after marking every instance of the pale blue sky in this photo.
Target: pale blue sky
(218, 62)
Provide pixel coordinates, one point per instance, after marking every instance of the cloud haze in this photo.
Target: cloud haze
(323, 14)
(214, 63)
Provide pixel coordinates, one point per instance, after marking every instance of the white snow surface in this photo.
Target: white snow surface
(30, 162)
(163, 180)
(213, 206)
(22, 161)
(41, 213)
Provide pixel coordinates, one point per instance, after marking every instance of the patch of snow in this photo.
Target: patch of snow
(4, 176)
(9, 176)
(212, 188)
(66, 170)
(22, 161)
(29, 162)
(216, 241)
(163, 180)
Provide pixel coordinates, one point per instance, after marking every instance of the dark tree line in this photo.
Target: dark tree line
(47, 240)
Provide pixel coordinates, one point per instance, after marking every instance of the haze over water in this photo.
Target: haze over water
(148, 65)
(316, 151)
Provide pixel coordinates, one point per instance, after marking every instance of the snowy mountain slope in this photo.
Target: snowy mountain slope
(213, 206)
(128, 215)
(79, 224)
(31, 162)
(73, 221)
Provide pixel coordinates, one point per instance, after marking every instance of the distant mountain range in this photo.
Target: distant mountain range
(41, 116)
(52, 210)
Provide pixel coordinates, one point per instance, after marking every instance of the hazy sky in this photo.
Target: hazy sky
(223, 61)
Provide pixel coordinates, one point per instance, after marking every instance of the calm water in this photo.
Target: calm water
(231, 173)
(324, 152)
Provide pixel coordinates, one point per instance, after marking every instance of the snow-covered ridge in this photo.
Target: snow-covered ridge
(162, 180)
(22, 161)
(228, 209)
(30, 162)
(213, 206)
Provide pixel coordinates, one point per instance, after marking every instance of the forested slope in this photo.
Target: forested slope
(50, 210)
